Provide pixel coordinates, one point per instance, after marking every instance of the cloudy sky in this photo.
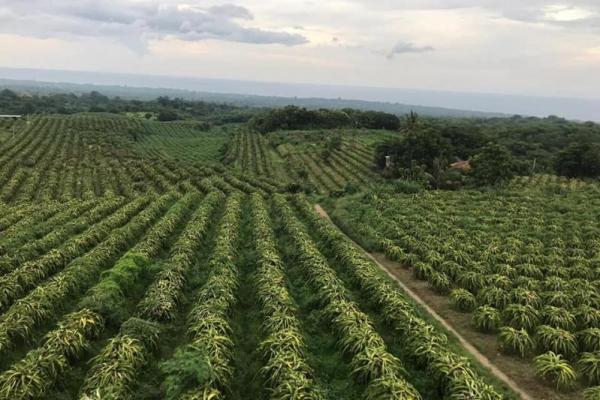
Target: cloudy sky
(533, 47)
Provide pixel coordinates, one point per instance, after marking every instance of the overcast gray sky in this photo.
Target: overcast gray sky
(532, 47)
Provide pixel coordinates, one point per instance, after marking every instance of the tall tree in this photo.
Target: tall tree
(579, 160)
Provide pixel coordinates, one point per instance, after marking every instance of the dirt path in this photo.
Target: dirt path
(465, 343)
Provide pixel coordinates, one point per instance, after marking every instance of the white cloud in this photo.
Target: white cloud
(137, 22)
(512, 46)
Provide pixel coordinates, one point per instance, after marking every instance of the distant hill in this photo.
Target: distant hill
(430, 102)
(146, 93)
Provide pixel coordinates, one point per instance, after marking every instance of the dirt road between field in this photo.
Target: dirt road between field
(483, 360)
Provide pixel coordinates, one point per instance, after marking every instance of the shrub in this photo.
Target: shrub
(472, 281)
(554, 368)
(493, 296)
(462, 300)
(407, 187)
(587, 317)
(558, 318)
(556, 340)
(515, 341)
(526, 297)
(521, 317)
(440, 282)
(167, 115)
(486, 319)
(592, 393)
(188, 368)
(589, 366)
(557, 299)
(422, 271)
(589, 339)
(494, 164)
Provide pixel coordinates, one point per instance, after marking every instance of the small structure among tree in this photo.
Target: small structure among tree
(389, 162)
(463, 165)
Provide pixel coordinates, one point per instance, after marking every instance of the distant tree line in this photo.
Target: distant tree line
(298, 118)
(165, 108)
(496, 148)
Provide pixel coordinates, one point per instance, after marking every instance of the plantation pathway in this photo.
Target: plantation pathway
(466, 344)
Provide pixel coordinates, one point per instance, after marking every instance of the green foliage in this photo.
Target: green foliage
(462, 300)
(440, 282)
(579, 160)
(589, 339)
(421, 146)
(558, 318)
(486, 319)
(589, 367)
(515, 341)
(167, 115)
(296, 118)
(143, 330)
(592, 393)
(493, 296)
(493, 164)
(188, 368)
(556, 340)
(106, 297)
(407, 187)
(95, 102)
(554, 368)
(521, 317)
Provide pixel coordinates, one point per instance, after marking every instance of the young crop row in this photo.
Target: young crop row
(209, 326)
(454, 374)
(42, 372)
(35, 224)
(43, 302)
(27, 275)
(371, 363)
(62, 158)
(252, 152)
(114, 369)
(162, 298)
(286, 369)
(55, 234)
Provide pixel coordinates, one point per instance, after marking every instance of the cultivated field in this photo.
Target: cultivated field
(130, 270)
(299, 156)
(165, 260)
(522, 264)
